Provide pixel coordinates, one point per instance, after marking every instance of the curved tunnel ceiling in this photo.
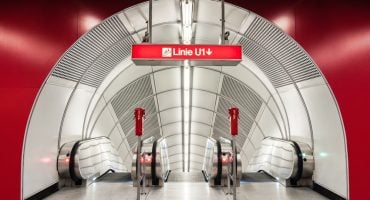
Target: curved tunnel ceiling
(93, 57)
(99, 62)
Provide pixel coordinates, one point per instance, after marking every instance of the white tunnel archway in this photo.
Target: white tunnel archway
(94, 88)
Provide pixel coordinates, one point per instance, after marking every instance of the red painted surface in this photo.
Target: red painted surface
(234, 118)
(186, 52)
(34, 34)
(139, 119)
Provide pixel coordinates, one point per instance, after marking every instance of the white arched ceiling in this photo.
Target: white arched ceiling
(94, 88)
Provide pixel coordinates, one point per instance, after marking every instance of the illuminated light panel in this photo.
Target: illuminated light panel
(187, 34)
(285, 22)
(89, 21)
(186, 120)
(187, 19)
(187, 12)
(46, 160)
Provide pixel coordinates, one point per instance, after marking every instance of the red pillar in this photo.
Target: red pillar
(139, 116)
(234, 116)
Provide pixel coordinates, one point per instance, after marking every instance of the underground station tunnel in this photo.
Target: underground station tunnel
(185, 99)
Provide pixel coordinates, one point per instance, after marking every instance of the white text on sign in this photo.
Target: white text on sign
(169, 52)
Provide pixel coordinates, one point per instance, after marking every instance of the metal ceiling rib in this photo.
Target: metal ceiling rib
(96, 53)
(275, 49)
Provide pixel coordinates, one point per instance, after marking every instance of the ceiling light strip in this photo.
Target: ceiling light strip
(187, 34)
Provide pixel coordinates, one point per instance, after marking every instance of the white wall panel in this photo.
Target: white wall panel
(198, 140)
(125, 143)
(203, 99)
(171, 36)
(197, 150)
(175, 158)
(200, 129)
(329, 141)
(171, 115)
(170, 129)
(174, 140)
(278, 116)
(138, 15)
(169, 99)
(283, 115)
(205, 79)
(175, 150)
(130, 74)
(104, 125)
(201, 115)
(74, 118)
(115, 138)
(168, 79)
(299, 126)
(176, 166)
(268, 125)
(194, 166)
(127, 158)
(41, 142)
(207, 34)
(244, 25)
(115, 73)
(205, 11)
(100, 106)
(256, 137)
(249, 152)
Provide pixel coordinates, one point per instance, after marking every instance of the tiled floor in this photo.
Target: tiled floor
(185, 191)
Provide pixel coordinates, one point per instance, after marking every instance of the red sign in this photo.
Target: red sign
(164, 54)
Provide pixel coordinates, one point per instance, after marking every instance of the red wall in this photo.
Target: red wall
(34, 34)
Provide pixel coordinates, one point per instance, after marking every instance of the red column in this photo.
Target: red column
(139, 115)
(234, 116)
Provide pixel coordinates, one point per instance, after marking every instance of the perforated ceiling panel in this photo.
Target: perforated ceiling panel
(127, 121)
(240, 93)
(271, 49)
(131, 94)
(101, 49)
(137, 94)
(222, 126)
(235, 93)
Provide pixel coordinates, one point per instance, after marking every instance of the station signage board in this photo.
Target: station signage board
(197, 55)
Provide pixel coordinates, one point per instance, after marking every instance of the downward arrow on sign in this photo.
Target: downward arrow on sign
(209, 52)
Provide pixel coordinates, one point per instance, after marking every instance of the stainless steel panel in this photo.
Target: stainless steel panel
(64, 159)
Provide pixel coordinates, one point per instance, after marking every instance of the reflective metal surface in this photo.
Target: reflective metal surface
(154, 163)
(64, 159)
(217, 163)
(86, 159)
(285, 160)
